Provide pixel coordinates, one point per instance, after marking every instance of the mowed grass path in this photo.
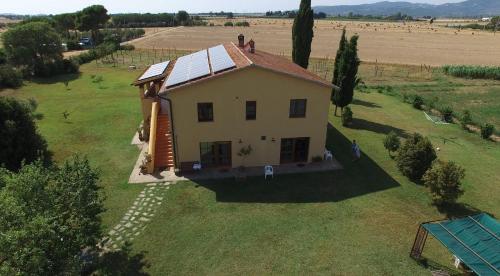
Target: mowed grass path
(358, 221)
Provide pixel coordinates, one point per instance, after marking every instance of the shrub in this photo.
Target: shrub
(466, 119)
(443, 180)
(487, 130)
(392, 142)
(127, 47)
(346, 116)
(418, 101)
(447, 114)
(242, 24)
(73, 45)
(3, 56)
(415, 157)
(20, 141)
(9, 77)
(228, 24)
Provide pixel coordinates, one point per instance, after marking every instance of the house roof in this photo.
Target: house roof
(243, 58)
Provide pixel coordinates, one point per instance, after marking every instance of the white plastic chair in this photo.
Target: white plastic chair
(328, 155)
(197, 167)
(268, 171)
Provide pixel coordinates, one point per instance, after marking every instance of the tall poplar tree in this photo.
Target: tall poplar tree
(302, 34)
(347, 70)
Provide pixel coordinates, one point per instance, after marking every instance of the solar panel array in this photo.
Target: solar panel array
(189, 67)
(155, 70)
(220, 59)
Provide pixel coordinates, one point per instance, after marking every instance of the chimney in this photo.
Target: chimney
(241, 40)
(252, 46)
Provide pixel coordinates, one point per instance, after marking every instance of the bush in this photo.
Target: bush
(61, 66)
(466, 119)
(447, 113)
(418, 101)
(3, 56)
(392, 142)
(127, 47)
(487, 130)
(73, 45)
(346, 116)
(228, 24)
(443, 180)
(9, 77)
(20, 141)
(242, 24)
(415, 157)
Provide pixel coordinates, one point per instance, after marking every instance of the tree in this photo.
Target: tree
(19, 138)
(47, 216)
(302, 34)
(33, 45)
(392, 142)
(443, 180)
(182, 18)
(415, 157)
(347, 71)
(65, 22)
(91, 18)
(336, 67)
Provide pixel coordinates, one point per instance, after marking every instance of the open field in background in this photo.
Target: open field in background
(344, 222)
(387, 42)
(478, 96)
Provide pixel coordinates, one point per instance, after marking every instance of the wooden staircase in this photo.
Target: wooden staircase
(164, 152)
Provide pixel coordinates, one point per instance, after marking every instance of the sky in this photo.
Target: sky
(157, 6)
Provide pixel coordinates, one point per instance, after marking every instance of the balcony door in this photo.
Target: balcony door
(215, 154)
(294, 150)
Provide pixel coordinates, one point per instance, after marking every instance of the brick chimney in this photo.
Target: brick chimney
(241, 40)
(252, 46)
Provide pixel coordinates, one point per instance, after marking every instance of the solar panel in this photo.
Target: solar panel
(220, 59)
(155, 70)
(189, 67)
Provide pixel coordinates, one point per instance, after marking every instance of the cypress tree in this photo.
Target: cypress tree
(347, 78)
(302, 34)
(336, 68)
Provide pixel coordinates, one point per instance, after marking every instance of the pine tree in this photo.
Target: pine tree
(302, 34)
(347, 72)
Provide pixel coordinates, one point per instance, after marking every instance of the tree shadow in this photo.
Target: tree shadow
(356, 179)
(56, 79)
(362, 124)
(459, 210)
(121, 262)
(365, 103)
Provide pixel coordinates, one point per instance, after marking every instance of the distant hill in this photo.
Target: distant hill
(469, 8)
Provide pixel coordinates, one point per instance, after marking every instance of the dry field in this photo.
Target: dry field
(386, 42)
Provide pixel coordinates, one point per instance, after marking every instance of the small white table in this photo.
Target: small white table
(196, 167)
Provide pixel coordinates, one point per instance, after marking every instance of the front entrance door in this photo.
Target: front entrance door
(294, 150)
(215, 154)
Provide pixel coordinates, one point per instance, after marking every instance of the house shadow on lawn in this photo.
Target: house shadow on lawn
(356, 179)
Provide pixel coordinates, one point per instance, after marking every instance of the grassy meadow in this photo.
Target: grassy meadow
(357, 221)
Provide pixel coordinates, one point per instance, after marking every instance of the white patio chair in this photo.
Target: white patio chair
(197, 167)
(268, 171)
(328, 155)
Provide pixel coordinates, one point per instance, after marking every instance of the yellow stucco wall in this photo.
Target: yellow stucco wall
(229, 93)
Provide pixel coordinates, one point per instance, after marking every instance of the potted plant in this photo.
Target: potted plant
(244, 153)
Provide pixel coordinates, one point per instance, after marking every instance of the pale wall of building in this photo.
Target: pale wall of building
(229, 93)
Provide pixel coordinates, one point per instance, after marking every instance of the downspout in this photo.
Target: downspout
(174, 137)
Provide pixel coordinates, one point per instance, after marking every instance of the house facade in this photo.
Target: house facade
(255, 109)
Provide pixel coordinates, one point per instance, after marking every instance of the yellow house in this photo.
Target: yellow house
(231, 106)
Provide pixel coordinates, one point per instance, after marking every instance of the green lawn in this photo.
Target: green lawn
(361, 220)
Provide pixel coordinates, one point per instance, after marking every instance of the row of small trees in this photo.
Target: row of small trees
(417, 160)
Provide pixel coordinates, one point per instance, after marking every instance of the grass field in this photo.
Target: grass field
(360, 220)
(387, 42)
